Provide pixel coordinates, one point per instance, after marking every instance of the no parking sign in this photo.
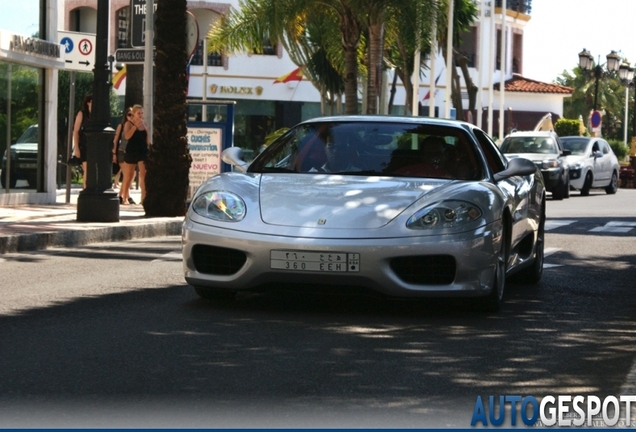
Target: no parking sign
(596, 119)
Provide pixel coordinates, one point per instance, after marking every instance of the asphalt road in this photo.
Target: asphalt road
(109, 335)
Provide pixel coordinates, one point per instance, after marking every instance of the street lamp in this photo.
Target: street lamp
(586, 62)
(626, 74)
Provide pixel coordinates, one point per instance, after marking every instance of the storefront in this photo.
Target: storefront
(28, 102)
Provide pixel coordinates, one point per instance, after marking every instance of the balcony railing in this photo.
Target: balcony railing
(523, 6)
(214, 59)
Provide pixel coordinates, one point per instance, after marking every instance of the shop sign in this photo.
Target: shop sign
(236, 90)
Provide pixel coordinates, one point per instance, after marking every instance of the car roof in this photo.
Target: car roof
(390, 118)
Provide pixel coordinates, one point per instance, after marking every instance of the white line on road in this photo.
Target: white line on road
(170, 256)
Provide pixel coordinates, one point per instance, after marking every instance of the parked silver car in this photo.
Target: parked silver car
(405, 206)
(545, 149)
(593, 164)
(24, 159)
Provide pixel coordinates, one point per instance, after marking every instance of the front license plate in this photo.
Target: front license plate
(315, 261)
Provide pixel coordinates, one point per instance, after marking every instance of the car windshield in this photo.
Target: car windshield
(577, 147)
(529, 144)
(29, 136)
(373, 148)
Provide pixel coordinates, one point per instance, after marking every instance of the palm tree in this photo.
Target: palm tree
(168, 163)
(288, 21)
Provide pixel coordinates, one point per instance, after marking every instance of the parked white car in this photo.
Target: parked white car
(593, 164)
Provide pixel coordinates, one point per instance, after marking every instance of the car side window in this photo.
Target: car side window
(605, 148)
(494, 158)
(595, 147)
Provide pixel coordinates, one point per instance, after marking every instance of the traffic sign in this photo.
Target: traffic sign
(138, 23)
(596, 119)
(132, 55)
(79, 50)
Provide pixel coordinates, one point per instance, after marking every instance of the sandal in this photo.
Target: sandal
(131, 201)
(121, 199)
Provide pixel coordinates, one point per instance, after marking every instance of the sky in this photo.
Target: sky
(560, 29)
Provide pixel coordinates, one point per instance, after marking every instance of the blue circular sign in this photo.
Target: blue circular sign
(68, 44)
(596, 119)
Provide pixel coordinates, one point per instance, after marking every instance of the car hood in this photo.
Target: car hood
(337, 201)
(535, 157)
(25, 147)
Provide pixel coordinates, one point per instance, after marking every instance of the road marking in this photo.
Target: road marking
(553, 224)
(615, 226)
(170, 256)
(546, 253)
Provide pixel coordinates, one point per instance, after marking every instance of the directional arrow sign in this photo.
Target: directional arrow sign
(79, 50)
(132, 55)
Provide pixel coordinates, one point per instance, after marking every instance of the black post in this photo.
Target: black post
(99, 202)
(598, 72)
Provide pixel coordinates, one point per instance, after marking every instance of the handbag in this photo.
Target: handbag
(74, 161)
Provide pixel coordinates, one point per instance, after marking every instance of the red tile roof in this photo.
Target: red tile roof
(526, 85)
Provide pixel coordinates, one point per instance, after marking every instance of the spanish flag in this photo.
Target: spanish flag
(119, 77)
(295, 75)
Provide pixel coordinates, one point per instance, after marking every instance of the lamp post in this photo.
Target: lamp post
(626, 74)
(586, 63)
(98, 202)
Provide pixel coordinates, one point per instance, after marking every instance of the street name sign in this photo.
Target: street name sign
(132, 55)
(79, 49)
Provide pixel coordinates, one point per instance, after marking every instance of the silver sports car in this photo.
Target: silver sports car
(406, 206)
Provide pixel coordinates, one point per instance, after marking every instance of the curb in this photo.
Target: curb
(79, 237)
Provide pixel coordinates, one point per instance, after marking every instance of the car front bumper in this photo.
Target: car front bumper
(551, 178)
(473, 254)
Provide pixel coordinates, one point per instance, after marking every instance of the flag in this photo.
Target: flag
(295, 75)
(428, 93)
(119, 77)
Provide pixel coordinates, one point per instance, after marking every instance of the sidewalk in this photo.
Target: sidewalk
(32, 227)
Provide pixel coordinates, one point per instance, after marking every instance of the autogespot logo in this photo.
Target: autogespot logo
(560, 410)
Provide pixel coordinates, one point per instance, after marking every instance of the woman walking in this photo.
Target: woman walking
(136, 133)
(79, 135)
(119, 148)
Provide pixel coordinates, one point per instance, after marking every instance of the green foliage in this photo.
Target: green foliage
(620, 149)
(568, 127)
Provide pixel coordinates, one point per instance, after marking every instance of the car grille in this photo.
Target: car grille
(217, 260)
(425, 270)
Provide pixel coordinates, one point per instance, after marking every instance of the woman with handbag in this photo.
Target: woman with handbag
(79, 135)
(119, 149)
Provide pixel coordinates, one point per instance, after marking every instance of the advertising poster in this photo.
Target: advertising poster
(205, 146)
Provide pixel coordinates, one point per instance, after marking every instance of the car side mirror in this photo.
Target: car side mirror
(567, 152)
(597, 154)
(517, 167)
(234, 156)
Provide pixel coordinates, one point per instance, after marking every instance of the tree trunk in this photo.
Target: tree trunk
(169, 160)
(376, 37)
(350, 30)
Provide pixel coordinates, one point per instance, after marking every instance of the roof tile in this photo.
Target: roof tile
(526, 85)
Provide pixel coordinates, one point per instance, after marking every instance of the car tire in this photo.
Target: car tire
(533, 274)
(587, 185)
(558, 193)
(12, 181)
(210, 293)
(613, 186)
(492, 302)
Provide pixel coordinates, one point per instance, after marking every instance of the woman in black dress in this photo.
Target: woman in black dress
(136, 133)
(79, 135)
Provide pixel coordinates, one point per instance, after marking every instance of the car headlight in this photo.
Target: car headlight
(577, 166)
(550, 163)
(445, 214)
(220, 206)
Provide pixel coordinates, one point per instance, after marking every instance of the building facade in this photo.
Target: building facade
(265, 103)
(30, 57)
